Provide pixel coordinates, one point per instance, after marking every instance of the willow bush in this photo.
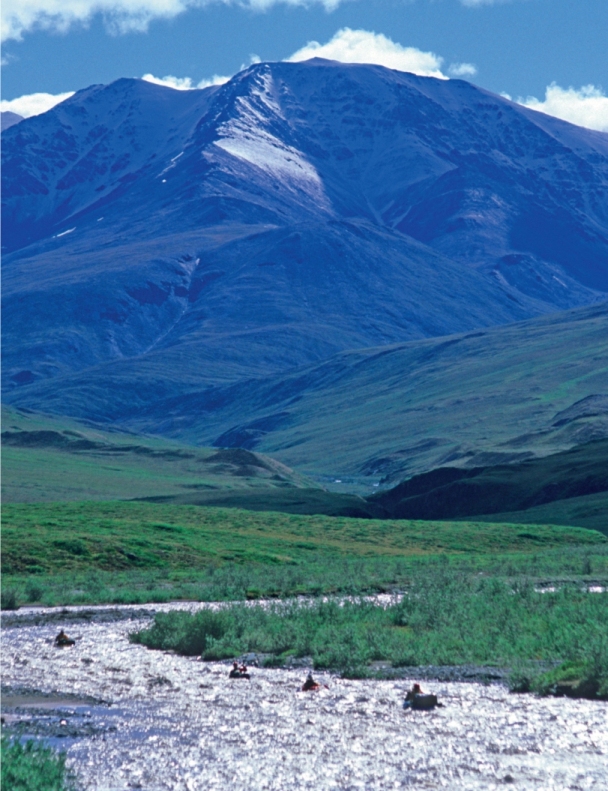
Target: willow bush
(447, 617)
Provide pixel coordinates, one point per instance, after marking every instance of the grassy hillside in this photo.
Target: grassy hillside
(287, 500)
(48, 459)
(590, 511)
(60, 553)
(120, 535)
(383, 414)
(450, 492)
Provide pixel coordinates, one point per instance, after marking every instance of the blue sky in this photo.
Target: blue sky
(515, 46)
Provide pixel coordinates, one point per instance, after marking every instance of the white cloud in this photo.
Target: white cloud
(185, 83)
(34, 103)
(586, 107)
(348, 46)
(363, 46)
(179, 83)
(215, 80)
(21, 16)
(462, 70)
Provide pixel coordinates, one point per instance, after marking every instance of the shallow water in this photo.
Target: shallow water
(179, 723)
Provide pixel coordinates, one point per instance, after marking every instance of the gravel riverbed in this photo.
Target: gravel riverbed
(133, 718)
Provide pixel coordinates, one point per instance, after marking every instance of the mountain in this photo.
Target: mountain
(178, 240)
(9, 119)
(364, 273)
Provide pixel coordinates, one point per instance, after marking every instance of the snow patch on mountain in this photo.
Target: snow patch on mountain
(249, 136)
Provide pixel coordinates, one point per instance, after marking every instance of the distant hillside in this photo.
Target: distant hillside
(447, 493)
(384, 414)
(589, 511)
(9, 119)
(47, 460)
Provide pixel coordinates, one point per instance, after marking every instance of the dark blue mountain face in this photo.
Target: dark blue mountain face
(205, 237)
(89, 152)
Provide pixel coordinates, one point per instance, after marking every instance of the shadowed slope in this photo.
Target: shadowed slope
(10, 119)
(449, 492)
(589, 511)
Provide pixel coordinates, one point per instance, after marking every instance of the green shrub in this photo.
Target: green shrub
(584, 676)
(447, 617)
(182, 632)
(574, 679)
(9, 600)
(34, 591)
(33, 767)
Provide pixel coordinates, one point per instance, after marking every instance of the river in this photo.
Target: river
(131, 718)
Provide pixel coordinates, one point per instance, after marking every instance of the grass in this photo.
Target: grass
(33, 767)
(447, 617)
(590, 511)
(134, 552)
(47, 538)
(313, 575)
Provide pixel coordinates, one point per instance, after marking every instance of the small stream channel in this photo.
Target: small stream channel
(131, 718)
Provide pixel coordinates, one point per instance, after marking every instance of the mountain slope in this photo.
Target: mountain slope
(589, 511)
(380, 414)
(196, 309)
(190, 239)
